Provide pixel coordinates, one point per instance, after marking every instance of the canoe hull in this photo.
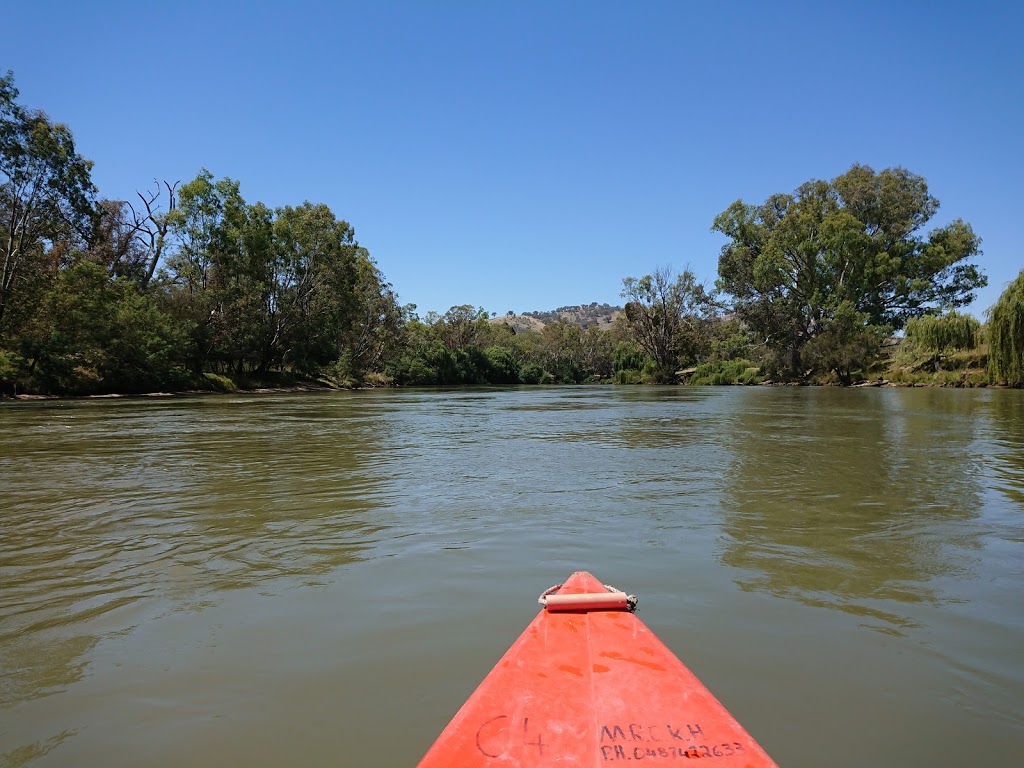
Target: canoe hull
(587, 688)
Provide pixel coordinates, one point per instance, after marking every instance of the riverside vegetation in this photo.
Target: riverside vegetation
(189, 286)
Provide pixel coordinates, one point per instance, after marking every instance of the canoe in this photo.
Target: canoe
(586, 684)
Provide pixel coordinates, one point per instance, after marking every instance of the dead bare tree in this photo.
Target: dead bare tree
(151, 225)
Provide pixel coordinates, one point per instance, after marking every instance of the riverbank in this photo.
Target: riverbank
(206, 384)
(963, 371)
(183, 393)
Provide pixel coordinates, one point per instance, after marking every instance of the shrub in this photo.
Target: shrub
(503, 368)
(729, 372)
(219, 383)
(9, 366)
(531, 373)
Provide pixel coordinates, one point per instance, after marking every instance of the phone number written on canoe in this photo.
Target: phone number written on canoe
(693, 752)
(636, 732)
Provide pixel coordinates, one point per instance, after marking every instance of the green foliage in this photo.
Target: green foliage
(806, 265)
(95, 334)
(1006, 335)
(463, 347)
(848, 345)
(273, 289)
(730, 339)
(628, 356)
(531, 373)
(653, 373)
(47, 198)
(943, 333)
(219, 383)
(725, 372)
(10, 365)
(750, 375)
(502, 366)
(669, 317)
(628, 376)
(215, 290)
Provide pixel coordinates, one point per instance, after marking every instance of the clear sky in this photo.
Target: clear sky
(525, 154)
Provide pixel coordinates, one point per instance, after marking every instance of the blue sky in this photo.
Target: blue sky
(527, 155)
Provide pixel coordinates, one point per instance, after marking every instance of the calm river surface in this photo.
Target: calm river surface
(322, 579)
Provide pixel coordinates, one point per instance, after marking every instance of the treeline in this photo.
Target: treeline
(191, 286)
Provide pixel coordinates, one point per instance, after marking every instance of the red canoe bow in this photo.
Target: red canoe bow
(586, 684)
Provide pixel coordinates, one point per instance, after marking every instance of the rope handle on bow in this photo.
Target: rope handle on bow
(612, 600)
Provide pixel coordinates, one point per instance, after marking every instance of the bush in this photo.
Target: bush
(750, 375)
(411, 370)
(374, 379)
(219, 383)
(10, 363)
(628, 376)
(725, 373)
(531, 373)
(502, 365)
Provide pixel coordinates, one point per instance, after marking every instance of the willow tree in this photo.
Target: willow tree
(1006, 335)
(939, 335)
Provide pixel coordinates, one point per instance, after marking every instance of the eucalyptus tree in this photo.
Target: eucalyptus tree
(370, 337)
(842, 259)
(328, 303)
(462, 326)
(47, 198)
(208, 225)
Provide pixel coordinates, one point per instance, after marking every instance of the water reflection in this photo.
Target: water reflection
(158, 507)
(246, 579)
(31, 752)
(37, 665)
(854, 505)
(1006, 436)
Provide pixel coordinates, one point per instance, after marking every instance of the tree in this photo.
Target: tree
(561, 352)
(796, 264)
(46, 190)
(668, 316)
(1006, 335)
(847, 344)
(151, 228)
(938, 335)
(462, 326)
(96, 334)
(209, 226)
(598, 346)
(113, 244)
(371, 334)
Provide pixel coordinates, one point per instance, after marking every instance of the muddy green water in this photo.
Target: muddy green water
(322, 579)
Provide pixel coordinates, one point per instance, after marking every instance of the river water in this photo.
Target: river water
(322, 579)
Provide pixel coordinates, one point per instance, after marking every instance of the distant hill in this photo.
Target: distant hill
(585, 316)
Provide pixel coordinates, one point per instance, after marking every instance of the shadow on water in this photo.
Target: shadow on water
(856, 501)
(119, 512)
